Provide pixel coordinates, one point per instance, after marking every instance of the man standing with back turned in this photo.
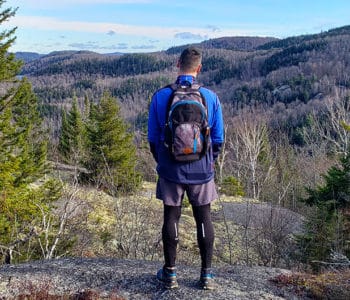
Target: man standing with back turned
(185, 132)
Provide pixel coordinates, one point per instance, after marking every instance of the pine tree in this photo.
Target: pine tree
(112, 154)
(23, 150)
(9, 66)
(31, 138)
(334, 194)
(73, 137)
(63, 145)
(328, 229)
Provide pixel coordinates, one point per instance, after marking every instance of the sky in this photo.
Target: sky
(109, 26)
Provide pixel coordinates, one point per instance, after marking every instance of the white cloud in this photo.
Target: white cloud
(213, 28)
(122, 45)
(84, 46)
(143, 47)
(94, 46)
(189, 36)
(154, 32)
(111, 32)
(104, 1)
(53, 4)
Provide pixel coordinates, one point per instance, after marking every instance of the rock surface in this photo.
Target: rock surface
(131, 279)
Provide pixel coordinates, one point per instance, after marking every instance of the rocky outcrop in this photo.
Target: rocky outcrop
(131, 279)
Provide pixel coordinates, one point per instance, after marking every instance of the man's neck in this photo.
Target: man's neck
(193, 74)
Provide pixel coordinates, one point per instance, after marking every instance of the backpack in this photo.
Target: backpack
(186, 126)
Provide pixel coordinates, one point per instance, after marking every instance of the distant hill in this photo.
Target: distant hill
(27, 56)
(235, 43)
(31, 56)
(231, 43)
(290, 41)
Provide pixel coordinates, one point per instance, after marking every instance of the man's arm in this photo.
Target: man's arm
(217, 129)
(152, 147)
(216, 150)
(153, 128)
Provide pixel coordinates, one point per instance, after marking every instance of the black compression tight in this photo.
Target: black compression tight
(205, 233)
(170, 233)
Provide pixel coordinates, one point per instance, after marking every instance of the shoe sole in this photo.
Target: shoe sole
(207, 287)
(170, 287)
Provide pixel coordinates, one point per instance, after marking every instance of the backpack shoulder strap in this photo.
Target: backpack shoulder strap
(173, 88)
(195, 86)
(204, 101)
(203, 98)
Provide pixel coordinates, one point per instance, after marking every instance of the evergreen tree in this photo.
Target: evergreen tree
(30, 136)
(328, 228)
(9, 66)
(86, 111)
(73, 138)
(231, 186)
(112, 154)
(23, 150)
(334, 194)
(63, 145)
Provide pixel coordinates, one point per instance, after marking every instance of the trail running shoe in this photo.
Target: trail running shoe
(207, 280)
(168, 277)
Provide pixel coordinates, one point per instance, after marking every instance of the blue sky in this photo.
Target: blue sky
(107, 26)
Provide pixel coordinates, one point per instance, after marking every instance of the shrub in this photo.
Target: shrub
(230, 186)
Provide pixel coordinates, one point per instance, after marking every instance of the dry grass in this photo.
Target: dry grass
(327, 285)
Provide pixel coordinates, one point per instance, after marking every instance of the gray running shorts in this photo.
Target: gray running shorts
(172, 193)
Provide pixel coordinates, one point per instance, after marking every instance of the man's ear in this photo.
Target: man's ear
(199, 68)
(178, 64)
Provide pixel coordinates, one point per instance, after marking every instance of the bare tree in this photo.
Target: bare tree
(273, 241)
(252, 146)
(329, 126)
(221, 161)
(54, 223)
(12, 248)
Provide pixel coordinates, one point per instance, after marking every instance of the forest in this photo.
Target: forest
(77, 177)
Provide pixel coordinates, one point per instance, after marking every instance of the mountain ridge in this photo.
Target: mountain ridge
(239, 43)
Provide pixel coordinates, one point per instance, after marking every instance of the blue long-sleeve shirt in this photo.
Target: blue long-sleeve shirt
(196, 172)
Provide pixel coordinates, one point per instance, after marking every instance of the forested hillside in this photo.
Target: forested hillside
(289, 75)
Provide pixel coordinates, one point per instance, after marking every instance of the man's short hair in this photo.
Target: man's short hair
(190, 59)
